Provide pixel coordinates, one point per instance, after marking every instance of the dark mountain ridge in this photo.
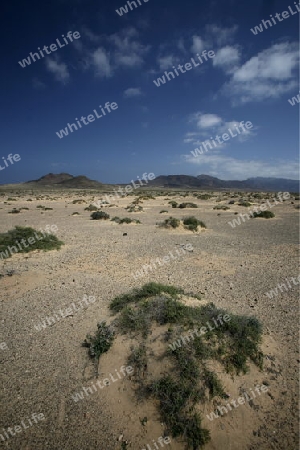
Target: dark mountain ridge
(65, 180)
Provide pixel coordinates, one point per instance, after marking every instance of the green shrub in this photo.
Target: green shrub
(124, 220)
(171, 222)
(91, 208)
(148, 290)
(243, 203)
(189, 381)
(223, 207)
(204, 196)
(98, 215)
(138, 360)
(11, 237)
(191, 223)
(134, 208)
(146, 197)
(100, 343)
(187, 205)
(264, 214)
(14, 211)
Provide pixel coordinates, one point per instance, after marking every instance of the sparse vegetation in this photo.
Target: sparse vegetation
(187, 205)
(14, 211)
(46, 242)
(192, 224)
(99, 215)
(124, 220)
(44, 208)
(244, 203)
(100, 343)
(204, 196)
(146, 197)
(91, 208)
(80, 200)
(171, 222)
(223, 207)
(189, 381)
(148, 290)
(134, 208)
(264, 214)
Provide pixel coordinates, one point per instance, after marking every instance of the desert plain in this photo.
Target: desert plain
(232, 267)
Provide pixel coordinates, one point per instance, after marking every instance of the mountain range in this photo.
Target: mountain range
(65, 180)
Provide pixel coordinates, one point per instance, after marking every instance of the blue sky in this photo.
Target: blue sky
(154, 128)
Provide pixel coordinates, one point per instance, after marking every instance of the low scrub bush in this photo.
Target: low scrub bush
(223, 207)
(99, 215)
(124, 220)
(192, 224)
(91, 208)
(204, 196)
(171, 222)
(264, 214)
(187, 205)
(41, 241)
(14, 211)
(244, 203)
(186, 380)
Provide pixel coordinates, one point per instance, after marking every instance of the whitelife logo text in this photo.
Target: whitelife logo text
(53, 48)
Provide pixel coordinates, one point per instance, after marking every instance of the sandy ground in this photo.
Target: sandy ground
(233, 268)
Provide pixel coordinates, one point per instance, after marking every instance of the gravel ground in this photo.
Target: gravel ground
(233, 268)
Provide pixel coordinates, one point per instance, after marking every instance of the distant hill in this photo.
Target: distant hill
(208, 182)
(65, 180)
(51, 178)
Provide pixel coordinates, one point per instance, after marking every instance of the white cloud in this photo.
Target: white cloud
(101, 63)
(276, 62)
(132, 92)
(205, 120)
(198, 44)
(58, 69)
(128, 51)
(227, 58)
(181, 46)
(268, 75)
(226, 167)
(212, 125)
(117, 50)
(165, 62)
